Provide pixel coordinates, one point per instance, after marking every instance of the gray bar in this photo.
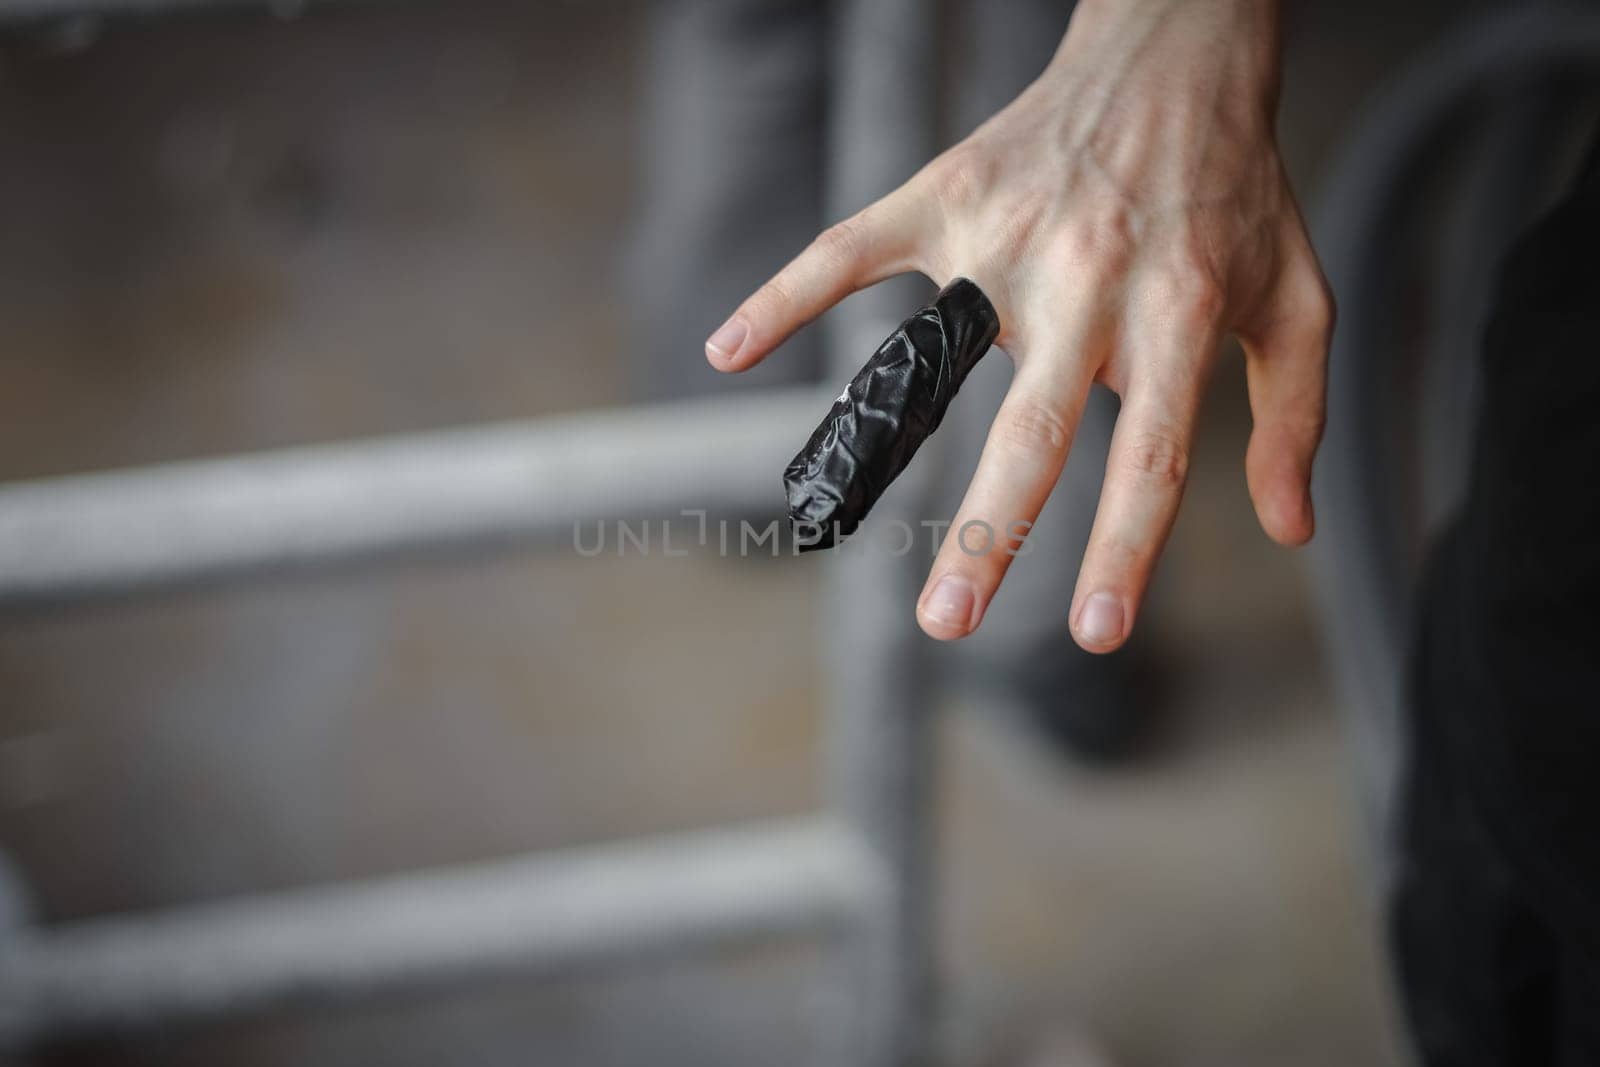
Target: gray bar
(148, 527)
(522, 917)
(882, 130)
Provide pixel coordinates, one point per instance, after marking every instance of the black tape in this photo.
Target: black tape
(891, 407)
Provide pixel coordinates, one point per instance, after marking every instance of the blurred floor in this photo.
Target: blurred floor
(227, 234)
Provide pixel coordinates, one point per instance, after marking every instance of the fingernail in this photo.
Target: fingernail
(725, 343)
(951, 603)
(1100, 621)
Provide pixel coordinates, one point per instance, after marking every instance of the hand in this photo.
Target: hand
(1124, 214)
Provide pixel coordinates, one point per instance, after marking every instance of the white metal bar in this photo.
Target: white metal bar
(521, 917)
(148, 527)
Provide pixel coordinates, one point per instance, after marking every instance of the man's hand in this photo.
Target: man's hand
(1125, 213)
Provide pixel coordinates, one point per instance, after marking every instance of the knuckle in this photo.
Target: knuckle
(842, 243)
(1296, 432)
(956, 176)
(1158, 459)
(1027, 213)
(1033, 426)
(775, 296)
(1313, 422)
(1117, 560)
(1195, 295)
(1103, 246)
(1311, 307)
(1322, 311)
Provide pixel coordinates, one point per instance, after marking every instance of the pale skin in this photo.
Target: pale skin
(1125, 214)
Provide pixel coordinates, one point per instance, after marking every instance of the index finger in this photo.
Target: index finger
(878, 242)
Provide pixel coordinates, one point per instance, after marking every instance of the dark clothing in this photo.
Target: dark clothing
(1497, 911)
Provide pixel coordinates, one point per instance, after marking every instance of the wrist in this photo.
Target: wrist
(1234, 43)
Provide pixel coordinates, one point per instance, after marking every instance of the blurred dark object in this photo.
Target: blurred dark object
(1496, 918)
(1434, 466)
(1454, 159)
(890, 408)
(1097, 709)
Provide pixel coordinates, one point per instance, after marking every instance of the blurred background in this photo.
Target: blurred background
(231, 231)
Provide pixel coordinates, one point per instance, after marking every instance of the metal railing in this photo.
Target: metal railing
(860, 870)
(140, 530)
(96, 534)
(521, 917)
